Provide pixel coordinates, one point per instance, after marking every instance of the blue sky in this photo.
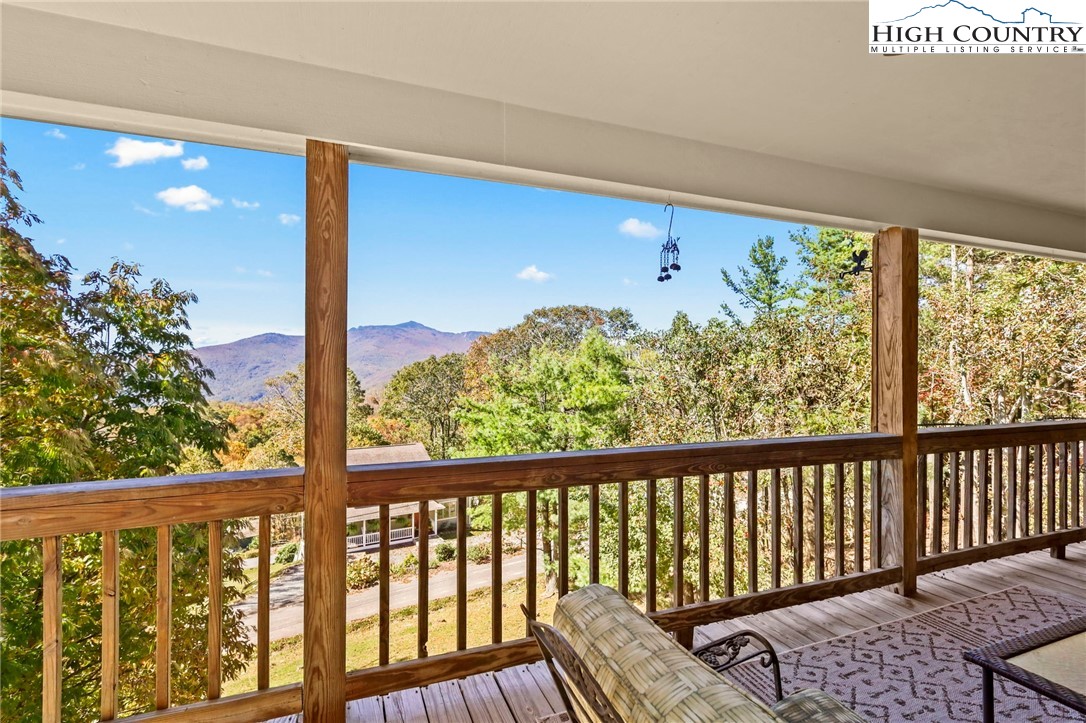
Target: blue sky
(455, 254)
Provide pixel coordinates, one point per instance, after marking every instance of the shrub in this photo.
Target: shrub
(286, 553)
(445, 551)
(407, 566)
(479, 554)
(511, 547)
(362, 573)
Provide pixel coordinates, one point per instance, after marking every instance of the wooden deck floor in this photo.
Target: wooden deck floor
(526, 694)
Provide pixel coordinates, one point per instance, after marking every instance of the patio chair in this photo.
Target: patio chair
(611, 663)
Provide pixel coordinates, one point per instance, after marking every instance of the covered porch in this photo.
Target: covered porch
(937, 515)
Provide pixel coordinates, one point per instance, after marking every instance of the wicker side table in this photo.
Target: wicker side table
(1050, 661)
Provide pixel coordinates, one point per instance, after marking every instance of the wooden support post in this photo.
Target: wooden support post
(324, 695)
(894, 393)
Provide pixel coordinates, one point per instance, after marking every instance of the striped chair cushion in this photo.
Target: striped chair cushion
(645, 674)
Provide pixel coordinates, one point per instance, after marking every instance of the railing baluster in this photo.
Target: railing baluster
(461, 573)
(1076, 485)
(677, 553)
(1038, 490)
(982, 499)
(1024, 492)
(214, 609)
(1062, 449)
(384, 621)
(922, 505)
(424, 579)
(52, 619)
(111, 623)
(752, 531)
(530, 571)
(563, 541)
(594, 534)
(858, 516)
(496, 568)
(729, 534)
(839, 519)
(624, 538)
(775, 527)
(1050, 479)
(875, 515)
(819, 522)
(797, 525)
(955, 501)
(650, 545)
(703, 539)
(1012, 493)
(937, 506)
(997, 495)
(968, 499)
(263, 604)
(163, 603)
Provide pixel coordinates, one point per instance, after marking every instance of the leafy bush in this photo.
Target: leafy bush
(445, 551)
(407, 566)
(511, 547)
(286, 553)
(362, 573)
(479, 554)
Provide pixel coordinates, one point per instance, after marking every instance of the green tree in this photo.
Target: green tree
(95, 386)
(425, 396)
(553, 402)
(762, 287)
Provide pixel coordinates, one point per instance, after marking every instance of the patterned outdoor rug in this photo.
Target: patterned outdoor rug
(912, 669)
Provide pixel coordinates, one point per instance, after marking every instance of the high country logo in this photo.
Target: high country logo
(977, 26)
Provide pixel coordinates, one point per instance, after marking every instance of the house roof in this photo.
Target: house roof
(388, 453)
(768, 108)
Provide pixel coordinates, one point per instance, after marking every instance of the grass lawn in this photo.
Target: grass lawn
(286, 654)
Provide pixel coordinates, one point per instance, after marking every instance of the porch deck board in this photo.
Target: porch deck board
(526, 693)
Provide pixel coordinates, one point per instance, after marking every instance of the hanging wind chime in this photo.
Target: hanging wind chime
(669, 252)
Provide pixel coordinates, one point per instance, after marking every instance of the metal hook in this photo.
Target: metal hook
(672, 207)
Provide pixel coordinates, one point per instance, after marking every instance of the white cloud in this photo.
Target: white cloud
(289, 219)
(248, 205)
(128, 246)
(60, 241)
(239, 269)
(198, 163)
(190, 198)
(79, 166)
(129, 151)
(629, 282)
(531, 273)
(638, 228)
(265, 273)
(144, 210)
(56, 133)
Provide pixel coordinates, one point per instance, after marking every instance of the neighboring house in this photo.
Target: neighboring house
(363, 525)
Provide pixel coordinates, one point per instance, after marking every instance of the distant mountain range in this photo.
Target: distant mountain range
(375, 353)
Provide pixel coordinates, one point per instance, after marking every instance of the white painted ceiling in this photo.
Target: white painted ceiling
(791, 79)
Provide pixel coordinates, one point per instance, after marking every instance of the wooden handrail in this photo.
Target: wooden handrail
(412, 481)
(933, 440)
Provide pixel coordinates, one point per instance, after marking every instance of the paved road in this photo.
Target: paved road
(286, 615)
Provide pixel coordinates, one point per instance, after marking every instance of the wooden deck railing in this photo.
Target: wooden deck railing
(985, 492)
(802, 515)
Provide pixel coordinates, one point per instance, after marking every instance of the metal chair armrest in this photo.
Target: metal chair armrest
(728, 652)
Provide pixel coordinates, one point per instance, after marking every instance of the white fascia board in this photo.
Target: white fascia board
(61, 69)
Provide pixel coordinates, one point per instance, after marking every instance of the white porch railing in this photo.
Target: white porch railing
(373, 539)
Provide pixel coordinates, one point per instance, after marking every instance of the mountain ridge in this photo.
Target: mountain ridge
(374, 353)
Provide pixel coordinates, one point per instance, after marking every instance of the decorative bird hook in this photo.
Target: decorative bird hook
(859, 258)
(669, 252)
